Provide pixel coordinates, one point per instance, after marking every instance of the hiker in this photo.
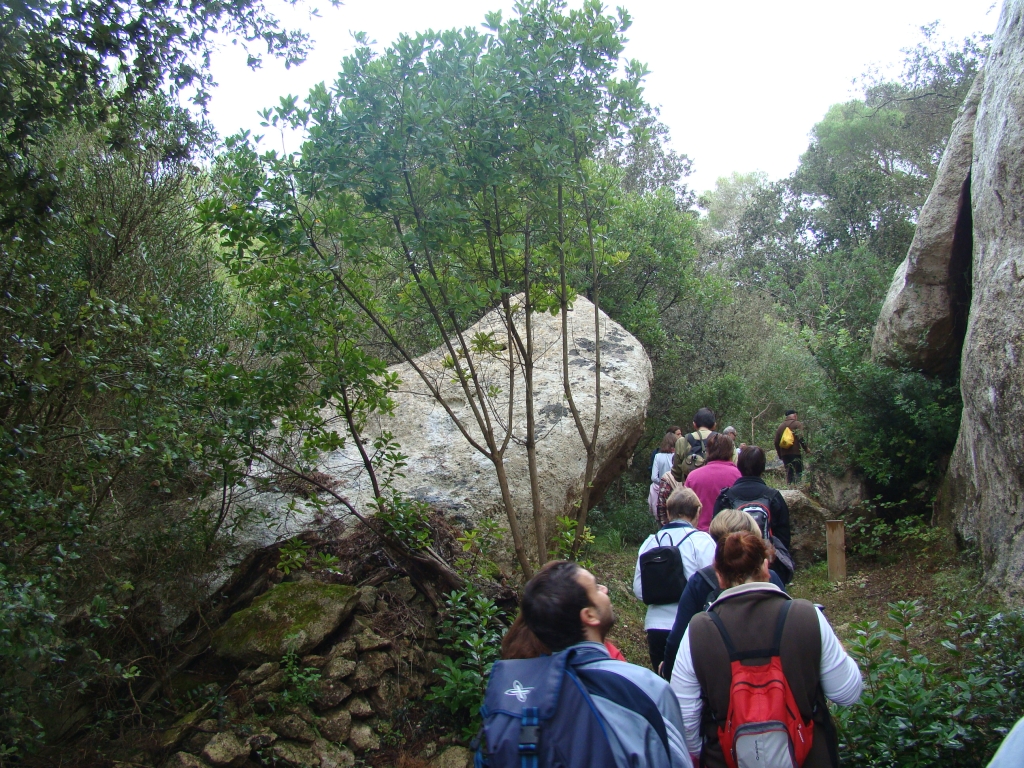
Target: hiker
(519, 642)
(576, 707)
(673, 430)
(717, 472)
(695, 549)
(790, 446)
(690, 448)
(662, 463)
(732, 706)
(663, 458)
(750, 487)
(666, 488)
(702, 589)
(731, 432)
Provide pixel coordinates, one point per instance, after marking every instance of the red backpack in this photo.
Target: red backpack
(764, 727)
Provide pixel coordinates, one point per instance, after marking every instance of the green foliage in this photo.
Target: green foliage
(471, 627)
(892, 424)
(300, 682)
(479, 546)
(293, 556)
(622, 516)
(919, 711)
(324, 560)
(871, 535)
(406, 520)
(564, 541)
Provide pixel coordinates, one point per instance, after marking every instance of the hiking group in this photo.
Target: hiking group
(740, 672)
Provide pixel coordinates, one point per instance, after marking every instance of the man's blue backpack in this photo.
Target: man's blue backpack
(541, 712)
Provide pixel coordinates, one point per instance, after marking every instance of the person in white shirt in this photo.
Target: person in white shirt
(813, 660)
(697, 550)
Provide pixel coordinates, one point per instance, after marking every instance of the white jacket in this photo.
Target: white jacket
(697, 550)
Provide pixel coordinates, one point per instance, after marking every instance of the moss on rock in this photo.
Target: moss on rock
(297, 615)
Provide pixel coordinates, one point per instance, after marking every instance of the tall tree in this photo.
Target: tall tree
(452, 174)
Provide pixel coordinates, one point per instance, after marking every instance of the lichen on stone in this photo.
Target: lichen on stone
(291, 616)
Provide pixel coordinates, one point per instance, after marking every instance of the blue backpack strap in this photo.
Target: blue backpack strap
(529, 738)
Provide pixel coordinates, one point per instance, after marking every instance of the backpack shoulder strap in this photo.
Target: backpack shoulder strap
(708, 574)
(757, 653)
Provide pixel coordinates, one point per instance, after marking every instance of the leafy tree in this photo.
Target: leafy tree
(452, 174)
(93, 63)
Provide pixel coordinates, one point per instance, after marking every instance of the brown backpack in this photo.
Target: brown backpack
(695, 449)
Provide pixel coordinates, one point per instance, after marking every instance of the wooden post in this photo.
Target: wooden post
(835, 539)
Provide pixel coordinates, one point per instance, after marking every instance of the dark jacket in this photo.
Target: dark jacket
(692, 602)
(751, 620)
(750, 488)
(797, 428)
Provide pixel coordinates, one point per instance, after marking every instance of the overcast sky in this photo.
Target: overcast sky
(740, 84)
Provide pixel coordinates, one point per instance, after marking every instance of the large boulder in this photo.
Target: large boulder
(294, 615)
(806, 528)
(925, 311)
(983, 493)
(444, 470)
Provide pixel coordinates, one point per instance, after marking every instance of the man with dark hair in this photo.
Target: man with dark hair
(690, 447)
(791, 453)
(569, 611)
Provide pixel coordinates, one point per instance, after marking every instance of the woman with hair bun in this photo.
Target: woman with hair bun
(749, 610)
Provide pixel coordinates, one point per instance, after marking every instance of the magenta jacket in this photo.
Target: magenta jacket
(707, 482)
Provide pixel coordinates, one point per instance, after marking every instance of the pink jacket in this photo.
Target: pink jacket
(707, 482)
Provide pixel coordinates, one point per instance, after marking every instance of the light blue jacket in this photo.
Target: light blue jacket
(634, 739)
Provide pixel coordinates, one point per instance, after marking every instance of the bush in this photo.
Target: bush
(916, 711)
(894, 425)
(470, 628)
(623, 514)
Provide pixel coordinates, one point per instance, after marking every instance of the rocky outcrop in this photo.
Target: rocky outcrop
(842, 495)
(807, 528)
(294, 616)
(924, 314)
(983, 493)
(444, 470)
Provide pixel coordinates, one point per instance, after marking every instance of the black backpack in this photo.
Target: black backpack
(662, 576)
(760, 509)
(708, 574)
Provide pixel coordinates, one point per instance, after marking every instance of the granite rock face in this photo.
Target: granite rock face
(983, 493)
(444, 470)
(924, 314)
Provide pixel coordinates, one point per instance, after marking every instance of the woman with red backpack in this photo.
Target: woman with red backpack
(753, 673)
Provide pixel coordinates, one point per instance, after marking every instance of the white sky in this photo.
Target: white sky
(740, 84)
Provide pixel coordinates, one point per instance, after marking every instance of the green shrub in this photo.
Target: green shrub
(623, 515)
(919, 711)
(300, 682)
(470, 629)
(894, 425)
